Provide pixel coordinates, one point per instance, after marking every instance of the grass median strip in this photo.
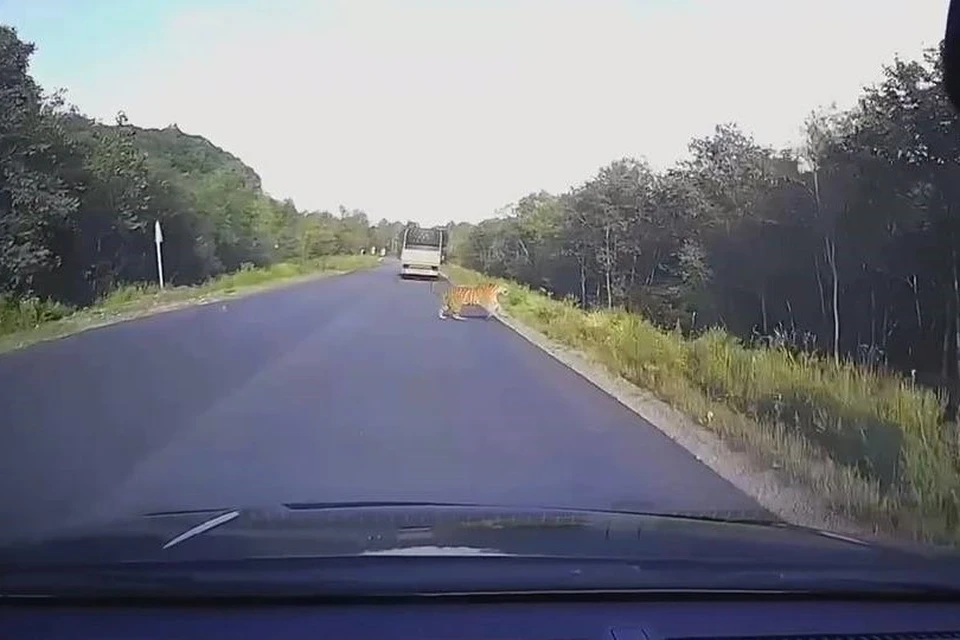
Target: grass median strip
(25, 322)
(873, 446)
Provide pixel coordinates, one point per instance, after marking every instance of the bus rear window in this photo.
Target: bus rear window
(423, 238)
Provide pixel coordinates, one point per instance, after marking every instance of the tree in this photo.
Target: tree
(35, 204)
(78, 200)
(848, 245)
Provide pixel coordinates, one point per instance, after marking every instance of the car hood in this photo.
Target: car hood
(371, 529)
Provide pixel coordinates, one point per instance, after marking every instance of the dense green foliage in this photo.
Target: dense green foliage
(78, 201)
(847, 246)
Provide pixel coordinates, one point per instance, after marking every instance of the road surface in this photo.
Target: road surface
(339, 389)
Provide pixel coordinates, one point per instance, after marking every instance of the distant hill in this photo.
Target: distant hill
(171, 153)
(190, 155)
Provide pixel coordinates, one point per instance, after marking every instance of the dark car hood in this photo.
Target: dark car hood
(338, 530)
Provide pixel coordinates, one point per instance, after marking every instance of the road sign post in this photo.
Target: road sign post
(158, 240)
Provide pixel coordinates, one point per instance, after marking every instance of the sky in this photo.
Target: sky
(433, 110)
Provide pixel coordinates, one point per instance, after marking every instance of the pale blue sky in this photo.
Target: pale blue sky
(439, 110)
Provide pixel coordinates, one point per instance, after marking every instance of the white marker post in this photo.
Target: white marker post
(158, 240)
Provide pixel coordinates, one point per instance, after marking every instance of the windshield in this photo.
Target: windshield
(728, 234)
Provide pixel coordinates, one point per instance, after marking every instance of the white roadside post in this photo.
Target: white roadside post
(158, 240)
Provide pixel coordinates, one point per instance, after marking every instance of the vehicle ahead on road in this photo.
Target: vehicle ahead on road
(421, 252)
(424, 554)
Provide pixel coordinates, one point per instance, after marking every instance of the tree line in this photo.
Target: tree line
(847, 245)
(78, 201)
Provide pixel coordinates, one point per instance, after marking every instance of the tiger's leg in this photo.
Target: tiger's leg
(456, 312)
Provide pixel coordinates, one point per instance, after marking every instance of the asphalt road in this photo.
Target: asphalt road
(340, 389)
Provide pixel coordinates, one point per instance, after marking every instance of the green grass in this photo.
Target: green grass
(873, 446)
(27, 321)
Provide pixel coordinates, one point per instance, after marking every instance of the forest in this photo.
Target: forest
(845, 246)
(79, 198)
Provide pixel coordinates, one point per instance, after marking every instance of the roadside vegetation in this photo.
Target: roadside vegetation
(801, 302)
(874, 447)
(79, 200)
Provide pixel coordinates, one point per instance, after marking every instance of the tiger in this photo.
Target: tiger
(482, 295)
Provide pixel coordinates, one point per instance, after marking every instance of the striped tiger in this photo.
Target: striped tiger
(482, 295)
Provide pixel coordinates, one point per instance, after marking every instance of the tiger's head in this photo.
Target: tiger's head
(493, 289)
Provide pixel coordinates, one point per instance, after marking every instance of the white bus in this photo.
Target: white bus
(421, 252)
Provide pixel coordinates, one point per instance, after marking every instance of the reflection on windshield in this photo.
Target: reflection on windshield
(435, 551)
(759, 293)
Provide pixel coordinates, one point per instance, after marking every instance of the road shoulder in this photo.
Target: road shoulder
(794, 504)
(162, 302)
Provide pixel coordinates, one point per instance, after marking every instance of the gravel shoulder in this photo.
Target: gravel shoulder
(796, 505)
